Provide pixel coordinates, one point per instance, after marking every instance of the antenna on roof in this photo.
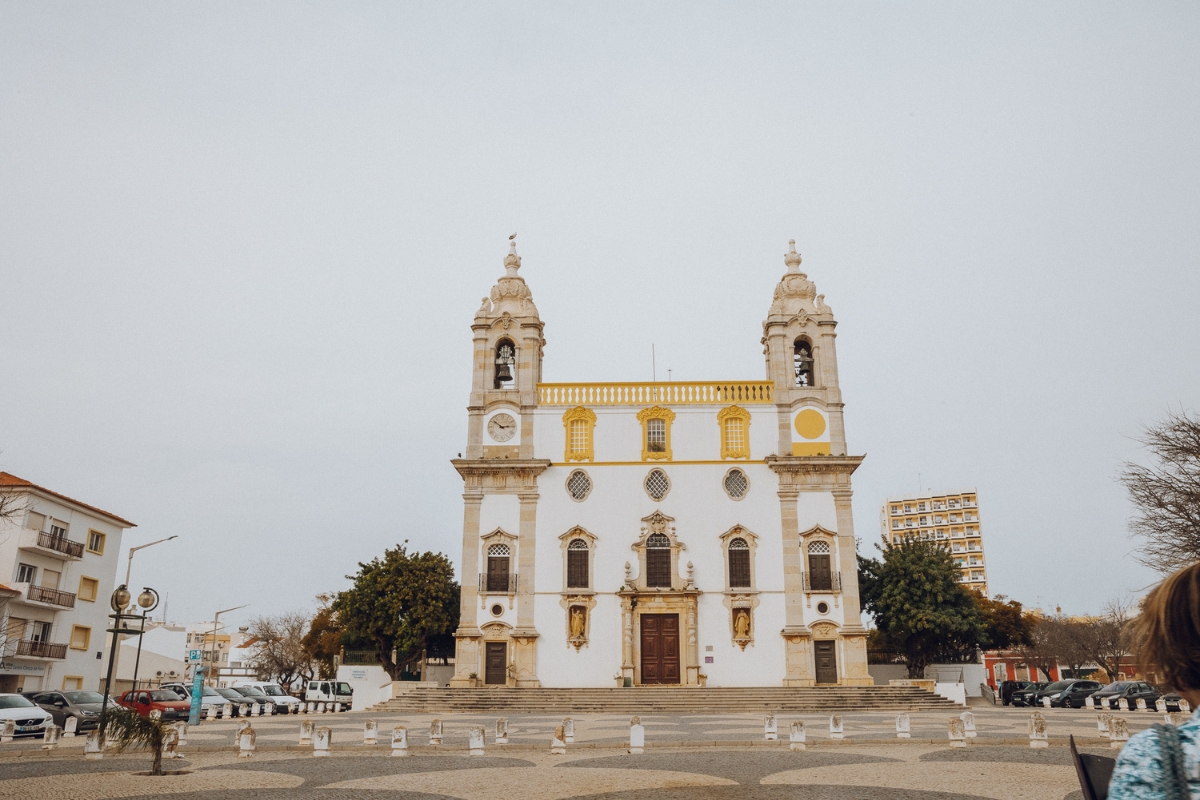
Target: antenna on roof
(653, 368)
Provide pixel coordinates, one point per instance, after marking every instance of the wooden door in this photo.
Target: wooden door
(821, 575)
(497, 574)
(660, 648)
(826, 662)
(495, 671)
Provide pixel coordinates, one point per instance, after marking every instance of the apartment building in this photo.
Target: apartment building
(227, 661)
(951, 518)
(58, 565)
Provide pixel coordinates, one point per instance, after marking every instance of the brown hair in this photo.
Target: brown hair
(1170, 628)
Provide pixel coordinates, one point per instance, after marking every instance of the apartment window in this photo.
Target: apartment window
(907, 508)
(26, 573)
(40, 632)
(920, 506)
(895, 524)
(739, 564)
(580, 424)
(80, 637)
(895, 509)
(658, 561)
(923, 521)
(577, 564)
(72, 683)
(95, 543)
(88, 589)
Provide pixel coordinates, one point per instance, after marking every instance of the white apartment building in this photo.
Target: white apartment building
(58, 565)
(951, 518)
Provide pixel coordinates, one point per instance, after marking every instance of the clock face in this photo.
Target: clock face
(502, 427)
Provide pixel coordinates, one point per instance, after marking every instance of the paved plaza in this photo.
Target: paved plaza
(699, 756)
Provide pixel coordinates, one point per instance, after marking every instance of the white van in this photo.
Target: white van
(338, 692)
(284, 702)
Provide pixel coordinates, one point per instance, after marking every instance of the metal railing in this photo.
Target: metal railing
(486, 588)
(823, 583)
(666, 392)
(61, 544)
(25, 647)
(41, 594)
(360, 658)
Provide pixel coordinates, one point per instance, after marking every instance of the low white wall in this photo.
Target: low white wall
(972, 675)
(371, 684)
(954, 692)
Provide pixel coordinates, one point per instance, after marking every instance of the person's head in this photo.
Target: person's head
(1170, 629)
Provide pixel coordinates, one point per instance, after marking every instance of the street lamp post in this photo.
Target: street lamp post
(113, 659)
(119, 601)
(197, 682)
(147, 601)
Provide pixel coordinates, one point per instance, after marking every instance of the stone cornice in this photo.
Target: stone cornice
(800, 473)
(511, 474)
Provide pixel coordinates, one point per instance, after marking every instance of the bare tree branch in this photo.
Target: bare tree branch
(278, 652)
(1167, 494)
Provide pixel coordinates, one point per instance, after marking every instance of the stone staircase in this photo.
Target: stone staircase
(664, 700)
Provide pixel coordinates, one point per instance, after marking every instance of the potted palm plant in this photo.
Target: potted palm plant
(125, 727)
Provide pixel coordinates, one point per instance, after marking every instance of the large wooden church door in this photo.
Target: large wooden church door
(826, 662)
(495, 672)
(660, 648)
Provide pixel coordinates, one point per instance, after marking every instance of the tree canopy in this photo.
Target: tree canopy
(400, 602)
(918, 605)
(1167, 494)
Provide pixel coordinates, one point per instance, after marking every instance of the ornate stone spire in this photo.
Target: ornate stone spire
(791, 257)
(795, 293)
(512, 261)
(510, 295)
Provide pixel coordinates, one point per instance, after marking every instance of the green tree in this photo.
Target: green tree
(1006, 626)
(323, 640)
(914, 595)
(399, 603)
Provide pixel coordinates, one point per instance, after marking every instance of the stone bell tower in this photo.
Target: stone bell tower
(500, 484)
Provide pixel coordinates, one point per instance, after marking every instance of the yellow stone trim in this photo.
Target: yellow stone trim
(587, 416)
(640, 463)
(656, 412)
(723, 418)
(675, 393)
(810, 423)
(810, 448)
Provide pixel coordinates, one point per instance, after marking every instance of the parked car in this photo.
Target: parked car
(255, 696)
(284, 702)
(241, 703)
(83, 706)
(1024, 697)
(30, 720)
(1068, 694)
(338, 692)
(1008, 687)
(210, 696)
(1132, 691)
(143, 701)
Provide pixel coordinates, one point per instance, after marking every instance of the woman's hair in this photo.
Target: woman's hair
(1169, 628)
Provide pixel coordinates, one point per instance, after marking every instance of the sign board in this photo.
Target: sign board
(9, 668)
(193, 656)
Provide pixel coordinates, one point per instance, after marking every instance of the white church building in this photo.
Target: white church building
(686, 533)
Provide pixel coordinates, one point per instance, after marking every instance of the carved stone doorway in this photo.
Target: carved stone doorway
(495, 672)
(825, 653)
(660, 648)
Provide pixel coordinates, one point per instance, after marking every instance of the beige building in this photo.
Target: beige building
(951, 518)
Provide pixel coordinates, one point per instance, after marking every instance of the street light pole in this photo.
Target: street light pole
(116, 657)
(148, 601)
(214, 633)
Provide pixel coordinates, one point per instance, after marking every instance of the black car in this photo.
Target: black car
(1024, 697)
(1008, 687)
(83, 706)
(1069, 693)
(253, 695)
(1131, 691)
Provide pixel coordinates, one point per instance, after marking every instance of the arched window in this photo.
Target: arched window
(739, 564)
(658, 561)
(497, 568)
(803, 361)
(577, 564)
(820, 573)
(506, 360)
(579, 423)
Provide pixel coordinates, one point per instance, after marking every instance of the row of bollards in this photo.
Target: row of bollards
(1160, 705)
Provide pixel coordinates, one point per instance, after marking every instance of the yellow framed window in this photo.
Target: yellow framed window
(734, 422)
(81, 637)
(95, 542)
(72, 683)
(656, 432)
(580, 425)
(88, 589)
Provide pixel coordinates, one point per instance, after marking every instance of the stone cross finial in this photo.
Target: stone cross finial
(792, 258)
(512, 261)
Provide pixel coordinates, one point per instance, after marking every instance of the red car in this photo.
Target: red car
(146, 700)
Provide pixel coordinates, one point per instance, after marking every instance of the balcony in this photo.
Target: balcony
(493, 586)
(50, 544)
(44, 597)
(831, 582)
(673, 393)
(46, 650)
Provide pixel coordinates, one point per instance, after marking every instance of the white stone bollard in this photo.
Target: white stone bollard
(50, 737)
(206, 711)
(1107, 703)
(502, 731)
(637, 736)
(170, 743)
(1089, 702)
(1141, 704)
(1185, 706)
(256, 709)
(70, 727)
(155, 714)
(227, 710)
(269, 710)
(836, 728)
(798, 737)
(903, 727)
(569, 730)
(475, 740)
(370, 732)
(558, 744)
(322, 738)
(771, 728)
(335, 707)
(181, 728)
(246, 739)
(1045, 702)
(1038, 737)
(93, 746)
(306, 731)
(400, 741)
(8, 729)
(241, 726)
(435, 732)
(1118, 733)
(968, 721)
(1123, 704)
(1102, 722)
(957, 733)
(1160, 705)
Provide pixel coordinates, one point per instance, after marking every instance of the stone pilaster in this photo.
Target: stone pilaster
(854, 636)
(467, 637)
(798, 670)
(525, 635)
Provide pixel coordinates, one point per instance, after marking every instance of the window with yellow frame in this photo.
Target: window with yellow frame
(735, 432)
(656, 433)
(580, 426)
(80, 637)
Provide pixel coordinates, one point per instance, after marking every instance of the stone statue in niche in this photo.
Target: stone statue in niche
(741, 626)
(578, 622)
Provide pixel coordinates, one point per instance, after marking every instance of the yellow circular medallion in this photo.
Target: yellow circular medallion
(810, 424)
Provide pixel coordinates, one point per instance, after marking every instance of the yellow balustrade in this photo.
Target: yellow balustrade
(671, 393)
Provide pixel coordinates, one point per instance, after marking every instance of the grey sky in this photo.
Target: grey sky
(241, 246)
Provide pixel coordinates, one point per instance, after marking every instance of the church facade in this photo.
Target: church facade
(661, 533)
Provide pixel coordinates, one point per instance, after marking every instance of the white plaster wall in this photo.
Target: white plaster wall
(497, 511)
(761, 663)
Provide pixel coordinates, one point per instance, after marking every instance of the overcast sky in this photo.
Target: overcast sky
(241, 246)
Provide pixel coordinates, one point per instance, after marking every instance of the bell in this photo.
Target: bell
(503, 374)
